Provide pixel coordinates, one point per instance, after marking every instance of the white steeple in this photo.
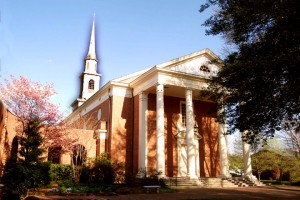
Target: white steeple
(92, 48)
(90, 79)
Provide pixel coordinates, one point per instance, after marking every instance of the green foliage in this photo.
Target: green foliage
(130, 179)
(62, 189)
(283, 166)
(30, 142)
(28, 171)
(290, 165)
(236, 163)
(20, 177)
(119, 169)
(260, 79)
(264, 160)
(103, 170)
(294, 171)
(60, 173)
(85, 175)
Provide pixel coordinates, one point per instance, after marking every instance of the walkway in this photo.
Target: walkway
(248, 193)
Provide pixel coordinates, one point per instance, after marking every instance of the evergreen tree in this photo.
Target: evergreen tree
(30, 150)
(27, 171)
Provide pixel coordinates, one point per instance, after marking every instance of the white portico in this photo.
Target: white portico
(180, 78)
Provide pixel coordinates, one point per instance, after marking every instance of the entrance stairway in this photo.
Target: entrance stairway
(182, 182)
(244, 182)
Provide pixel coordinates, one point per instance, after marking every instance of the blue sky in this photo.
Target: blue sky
(47, 40)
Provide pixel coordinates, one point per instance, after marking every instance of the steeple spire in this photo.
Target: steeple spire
(92, 48)
(90, 79)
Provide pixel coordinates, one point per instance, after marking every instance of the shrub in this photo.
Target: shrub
(119, 169)
(85, 175)
(19, 177)
(61, 173)
(103, 171)
(131, 180)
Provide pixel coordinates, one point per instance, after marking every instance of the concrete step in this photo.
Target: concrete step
(244, 182)
(212, 182)
(184, 182)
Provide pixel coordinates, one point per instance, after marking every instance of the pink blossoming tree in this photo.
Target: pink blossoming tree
(28, 100)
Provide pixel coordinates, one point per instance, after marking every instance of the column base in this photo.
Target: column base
(140, 175)
(192, 177)
(250, 176)
(161, 176)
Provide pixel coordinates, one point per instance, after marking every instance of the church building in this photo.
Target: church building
(154, 119)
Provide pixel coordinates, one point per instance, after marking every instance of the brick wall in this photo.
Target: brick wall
(121, 134)
(208, 146)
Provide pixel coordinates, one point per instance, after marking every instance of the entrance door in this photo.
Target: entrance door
(182, 158)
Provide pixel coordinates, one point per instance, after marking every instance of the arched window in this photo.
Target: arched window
(78, 155)
(91, 84)
(204, 68)
(54, 154)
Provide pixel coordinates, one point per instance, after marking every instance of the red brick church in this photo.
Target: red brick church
(153, 119)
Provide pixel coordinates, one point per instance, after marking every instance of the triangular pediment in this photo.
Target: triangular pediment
(201, 63)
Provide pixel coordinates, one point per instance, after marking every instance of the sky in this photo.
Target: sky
(47, 40)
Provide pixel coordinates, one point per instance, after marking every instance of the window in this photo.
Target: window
(91, 84)
(54, 154)
(78, 155)
(183, 113)
(204, 68)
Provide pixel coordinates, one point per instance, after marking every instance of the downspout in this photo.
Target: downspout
(132, 131)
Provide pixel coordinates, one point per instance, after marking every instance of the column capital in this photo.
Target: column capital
(160, 88)
(143, 96)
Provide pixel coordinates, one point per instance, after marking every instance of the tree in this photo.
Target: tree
(28, 171)
(78, 159)
(272, 156)
(39, 127)
(264, 160)
(291, 137)
(260, 78)
(30, 143)
(29, 100)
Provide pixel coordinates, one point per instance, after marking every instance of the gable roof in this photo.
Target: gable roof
(178, 65)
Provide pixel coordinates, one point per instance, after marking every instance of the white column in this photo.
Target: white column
(247, 159)
(143, 120)
(160, 130)
(197, 158)
(223, 148)
(191, 164)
